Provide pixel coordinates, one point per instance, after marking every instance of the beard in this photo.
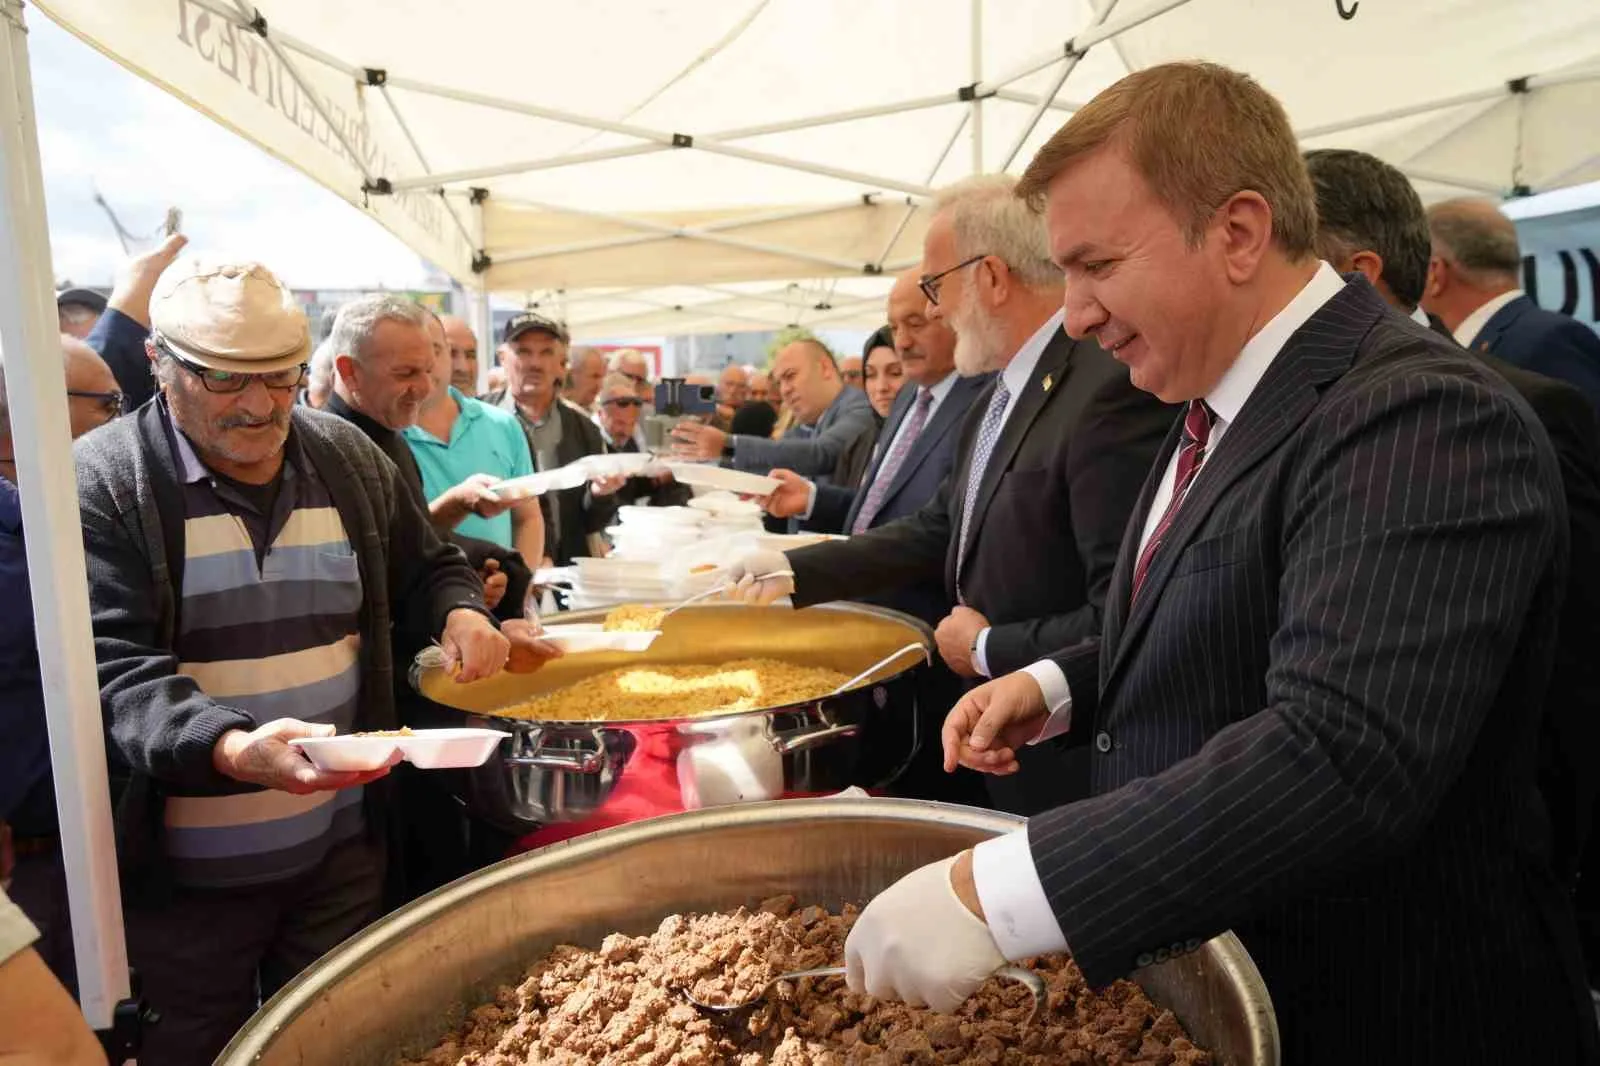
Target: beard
(980, 340)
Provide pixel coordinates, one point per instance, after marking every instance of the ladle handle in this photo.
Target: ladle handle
(881, 663)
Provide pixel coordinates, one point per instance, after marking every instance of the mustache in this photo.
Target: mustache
(244, 421)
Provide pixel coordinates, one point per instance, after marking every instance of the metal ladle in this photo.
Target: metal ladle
(717, 590)
(727, 1013)
(881, 663)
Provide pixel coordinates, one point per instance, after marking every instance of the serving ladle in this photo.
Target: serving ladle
(731, 1012)
(717, 590)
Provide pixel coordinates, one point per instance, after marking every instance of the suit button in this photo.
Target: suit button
(1145, 960)
(1102, 742)
(1193, 944)
(1163, 955)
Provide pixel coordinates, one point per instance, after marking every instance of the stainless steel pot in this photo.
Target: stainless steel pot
(615, 771)
(396, 988)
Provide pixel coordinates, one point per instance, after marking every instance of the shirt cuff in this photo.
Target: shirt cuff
(1057, 698)
(811, 500)
(1013, 899)
(980, 660)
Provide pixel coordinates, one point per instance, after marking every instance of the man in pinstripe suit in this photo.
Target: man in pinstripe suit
(1314, 703)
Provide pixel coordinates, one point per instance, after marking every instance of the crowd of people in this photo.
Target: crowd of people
(1254, 508)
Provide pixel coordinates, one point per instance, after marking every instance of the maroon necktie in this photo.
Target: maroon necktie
(1196, 432)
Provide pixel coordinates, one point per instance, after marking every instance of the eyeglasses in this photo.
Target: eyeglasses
(228, 381)
(931, 283)
(109, 402)
(622, 401)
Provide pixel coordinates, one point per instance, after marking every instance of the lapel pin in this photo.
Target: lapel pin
(1049, 380)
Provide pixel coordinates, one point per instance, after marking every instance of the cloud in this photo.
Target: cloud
(103, 128)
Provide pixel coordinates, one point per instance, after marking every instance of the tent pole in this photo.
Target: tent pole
(453, 177)
(1420, 174)
(1049, 98)
(1014, 97)
(1558, 180)
(316, 102)
(293, 44)
(483, 312)
(976, 40)
(856, 176)
(422, 161)
(911, 208)
(36, 389)
(1081, 42)
(920, 104)
(1403, 112)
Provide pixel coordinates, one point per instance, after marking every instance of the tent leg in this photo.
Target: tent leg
(977, 76)
(37, 400)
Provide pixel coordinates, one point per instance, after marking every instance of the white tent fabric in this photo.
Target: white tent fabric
(738, 164)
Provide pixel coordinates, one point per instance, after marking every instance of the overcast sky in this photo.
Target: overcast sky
(103, 128)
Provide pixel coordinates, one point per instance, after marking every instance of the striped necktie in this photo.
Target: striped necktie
(890, 467)
(982, 448)
(1191, 453)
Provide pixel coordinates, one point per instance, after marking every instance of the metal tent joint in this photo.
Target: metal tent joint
(481, 261)
(1070, 50)
(682, 140)
(1517, 86)
(376, 76)
(1519, 190)
(377, 187)
(872, 270)
(967, 93)
(258, 23)
(477, 194)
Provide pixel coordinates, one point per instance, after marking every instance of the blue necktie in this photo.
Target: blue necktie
(982, 448)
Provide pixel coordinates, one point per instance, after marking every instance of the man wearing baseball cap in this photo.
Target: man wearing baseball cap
(246, 557)
(532, 354)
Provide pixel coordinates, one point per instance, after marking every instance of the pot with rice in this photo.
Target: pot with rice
(729, 704)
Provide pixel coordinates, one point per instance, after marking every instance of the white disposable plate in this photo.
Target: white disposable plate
(520, 488)
(450, 749)
(633, 514)
(717, 477)
(726, 505)
(575, 638)
(608, 569)
(349, 753)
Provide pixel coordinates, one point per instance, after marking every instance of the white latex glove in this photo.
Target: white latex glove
(918, 943)
(744, 573)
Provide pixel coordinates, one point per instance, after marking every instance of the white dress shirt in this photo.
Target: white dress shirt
(1008, 886)
(939, 391)
(1016, 376)
(1473, 324)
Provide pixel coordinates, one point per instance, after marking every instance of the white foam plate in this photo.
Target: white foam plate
(726, 505)
(426, 749)
(520, 488)
(717, 477)
(574, 638)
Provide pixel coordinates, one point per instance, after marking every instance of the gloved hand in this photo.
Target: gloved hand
(744, 575)
(917, 942)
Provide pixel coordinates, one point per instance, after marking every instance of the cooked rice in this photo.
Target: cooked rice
(689, 691)
(633, 618)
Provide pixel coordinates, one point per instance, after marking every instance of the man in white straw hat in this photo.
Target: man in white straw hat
(246, 557)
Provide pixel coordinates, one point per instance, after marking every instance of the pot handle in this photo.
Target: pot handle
(806, 739)
(576, 762)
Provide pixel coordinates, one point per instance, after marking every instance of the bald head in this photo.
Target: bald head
(1476, 257)
(98, 398)
(1477, 237)
(463, 344)
(807, 378)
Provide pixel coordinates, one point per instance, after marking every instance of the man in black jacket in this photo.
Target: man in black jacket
(532, 353)
(246, 557)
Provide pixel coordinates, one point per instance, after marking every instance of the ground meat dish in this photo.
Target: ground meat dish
(620, 1005)
(639, 693)
(633, 618)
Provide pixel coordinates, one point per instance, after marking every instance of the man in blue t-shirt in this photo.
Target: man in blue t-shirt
(463, 446)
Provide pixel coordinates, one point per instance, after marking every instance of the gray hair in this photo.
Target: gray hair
(614, 382)
(986, 218)
(321, 375)
(359, 319)
(622, 355)
(1477, 237)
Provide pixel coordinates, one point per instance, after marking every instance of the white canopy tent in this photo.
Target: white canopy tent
(742, 164)
(708, 166)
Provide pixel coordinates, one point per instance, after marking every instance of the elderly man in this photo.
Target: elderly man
(618, 420)
(1024, 531)
(27, 793)
(534, 347)
(733, 390)
(631, 364)
(830, 415)
(760, 389)
(319, 377)
(587, 369)
(77, 311)
(851, 371)
(246, 559)
(1473, 288)
(1332, 612)
(463, 354)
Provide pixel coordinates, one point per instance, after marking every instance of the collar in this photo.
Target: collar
(10, 507)
(1021, 367)
(939, 391)
(1228, 396)
(1420, 317)
(466, 405)
(1473, 324)
(373, 429)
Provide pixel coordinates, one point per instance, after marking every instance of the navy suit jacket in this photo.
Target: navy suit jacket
(919, 476)
(1556, 345)
(1317, 724)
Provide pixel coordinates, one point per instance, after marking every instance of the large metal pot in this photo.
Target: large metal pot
(400, 985)
(610, 772)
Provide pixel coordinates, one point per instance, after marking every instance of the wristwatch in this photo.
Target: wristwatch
(727, 447)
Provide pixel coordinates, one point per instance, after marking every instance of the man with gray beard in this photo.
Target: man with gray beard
(1026, 528)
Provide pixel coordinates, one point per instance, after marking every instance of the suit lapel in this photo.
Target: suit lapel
(1055, 365)
(880, 449)
(1318, 352)
(1116, 608)
(1489, 336)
